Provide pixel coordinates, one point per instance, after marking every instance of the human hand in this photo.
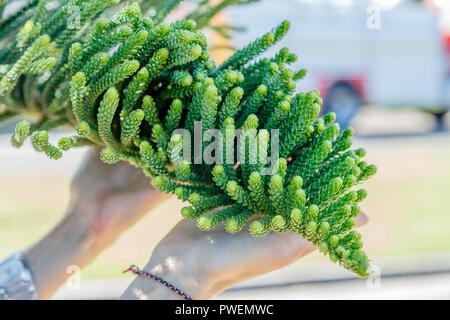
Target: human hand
(105, 201)
(110, 198)
(203, 264)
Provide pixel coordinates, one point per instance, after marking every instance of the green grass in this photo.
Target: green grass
(424, 219)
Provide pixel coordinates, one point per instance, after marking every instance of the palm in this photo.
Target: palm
(111, 197)
(234, 257)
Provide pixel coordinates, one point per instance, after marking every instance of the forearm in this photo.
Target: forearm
(69, 243)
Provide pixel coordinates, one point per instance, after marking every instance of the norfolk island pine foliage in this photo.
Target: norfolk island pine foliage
(124, 80)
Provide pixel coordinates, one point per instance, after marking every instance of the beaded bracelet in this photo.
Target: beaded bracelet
(136, 271)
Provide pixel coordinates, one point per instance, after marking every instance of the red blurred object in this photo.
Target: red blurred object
(356, 81)
(447, 43)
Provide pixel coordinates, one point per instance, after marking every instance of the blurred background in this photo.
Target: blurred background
(384, 68)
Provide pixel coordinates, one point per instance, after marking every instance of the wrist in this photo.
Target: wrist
(69, 243)
(193, 280)
(82, 215)
(108, 214)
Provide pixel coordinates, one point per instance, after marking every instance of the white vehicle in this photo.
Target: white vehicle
(360, 52)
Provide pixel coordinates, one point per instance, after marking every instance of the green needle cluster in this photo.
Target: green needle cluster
(127, 81)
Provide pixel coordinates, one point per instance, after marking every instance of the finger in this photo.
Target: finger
(361, 220)
(92, 160)
(94, 154)
(291, 246)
